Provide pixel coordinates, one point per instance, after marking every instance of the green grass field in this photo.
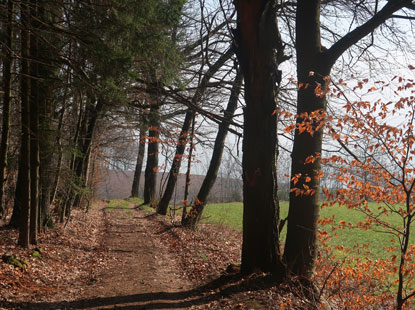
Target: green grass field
(230, 214)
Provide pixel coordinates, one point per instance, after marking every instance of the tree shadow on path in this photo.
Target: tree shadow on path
(226, 285)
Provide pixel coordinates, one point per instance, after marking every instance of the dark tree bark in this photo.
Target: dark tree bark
(22, 194)
(34, 124)
(300, 247)
(7, 86)
(193, 217)
(45, 13)
(260, 51)
(83, 159)
(139, 164)
(47, 136)
(95, 114)
(150, 174)
(55, 186)
(181, 142)
(189, 160)
(174, 170)
(76, 158)
(79, 130)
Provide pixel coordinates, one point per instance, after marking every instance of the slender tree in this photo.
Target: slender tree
(150, 174)
(57, 176)
(48, 70)
(182, 140)
(82, 163)
(22, 196)
(139, 163)
(34, 122)
(189, 159)
(314, 63)
(7, 86)
(191, 218)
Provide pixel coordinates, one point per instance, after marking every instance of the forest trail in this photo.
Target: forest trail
(144, 273)
(122, 258)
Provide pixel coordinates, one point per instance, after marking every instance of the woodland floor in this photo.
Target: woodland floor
(129, 259)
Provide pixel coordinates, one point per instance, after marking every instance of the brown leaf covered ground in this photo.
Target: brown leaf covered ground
(128, 259)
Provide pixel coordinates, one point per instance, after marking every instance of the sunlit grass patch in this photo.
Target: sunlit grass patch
(135, 200)
(228, 214)
(360, 242)
(147, 209)
(117, 204)
(345, 234)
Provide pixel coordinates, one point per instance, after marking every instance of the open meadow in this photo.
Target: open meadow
(341, 236)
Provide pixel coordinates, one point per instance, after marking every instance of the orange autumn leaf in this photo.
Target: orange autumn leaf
(289, 128)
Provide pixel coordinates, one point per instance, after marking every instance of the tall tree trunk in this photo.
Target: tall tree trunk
(257, 38)
(47, 14)
(34, 123)
(76, 157)
(139, 164)
(150, 174)
(175, 167)
(55, 186)
(46, 144)
(22, 194)
(181, 143)
(83, 161)
(189, 160)
(191, 219)
(88, 139)
(79, 130)
(7, 85)
(300, 248)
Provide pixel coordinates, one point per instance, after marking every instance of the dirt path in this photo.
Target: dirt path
(121, 259)
(143, 274)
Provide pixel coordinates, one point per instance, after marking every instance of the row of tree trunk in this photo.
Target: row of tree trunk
(31, 203)
(260, 51)
(153, 122)
(41, 155)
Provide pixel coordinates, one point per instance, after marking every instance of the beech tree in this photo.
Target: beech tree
(150, 175)
(260, 51)
(314, 64)
(376, 170)
(139, 163)
(198, 85)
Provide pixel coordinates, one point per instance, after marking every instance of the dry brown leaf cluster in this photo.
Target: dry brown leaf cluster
(71, 256)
